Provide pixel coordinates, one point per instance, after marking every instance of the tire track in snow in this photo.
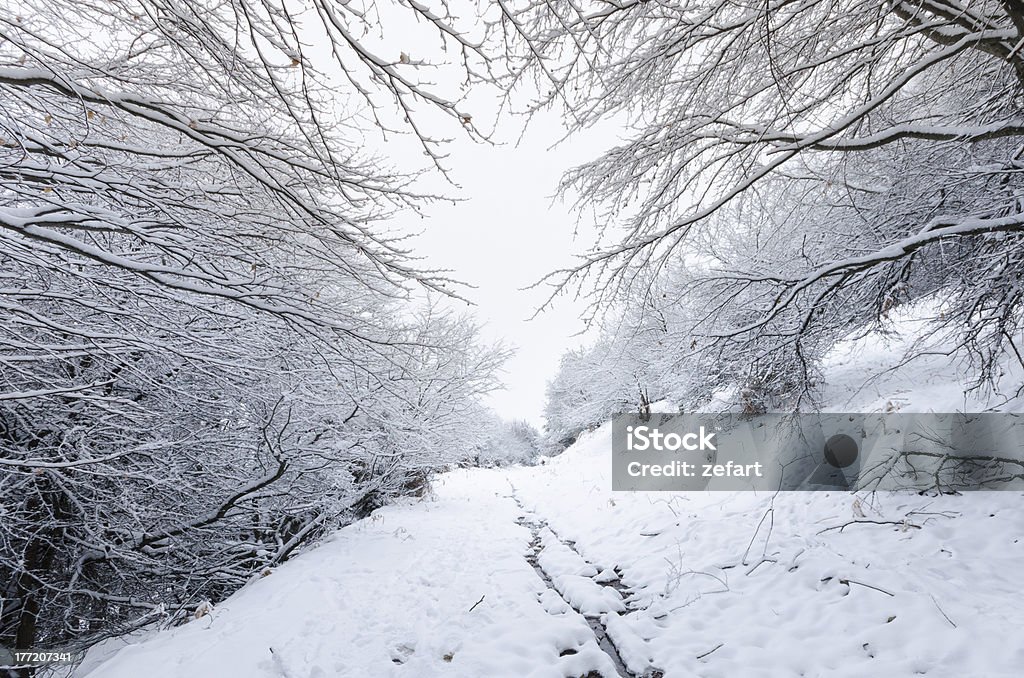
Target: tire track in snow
(596, 621)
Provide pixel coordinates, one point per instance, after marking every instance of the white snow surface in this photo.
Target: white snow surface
(730, 585)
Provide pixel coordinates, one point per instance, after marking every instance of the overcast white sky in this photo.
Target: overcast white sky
(505, 235)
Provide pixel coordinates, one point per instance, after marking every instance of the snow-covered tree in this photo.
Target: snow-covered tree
(815, 163)
(591, 385)
(209, 347)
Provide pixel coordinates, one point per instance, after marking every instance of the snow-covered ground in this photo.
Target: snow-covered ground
(443, 586)
(545, 571)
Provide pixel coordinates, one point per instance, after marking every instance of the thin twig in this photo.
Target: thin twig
(951, 622)
(867, 586)
(901, 523)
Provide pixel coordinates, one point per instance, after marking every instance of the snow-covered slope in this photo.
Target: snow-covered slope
(872, 373)
(545, 571)
(746, 585)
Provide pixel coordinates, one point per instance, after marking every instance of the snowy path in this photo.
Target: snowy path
(545, 572)
(441, 587)
(575, 586)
